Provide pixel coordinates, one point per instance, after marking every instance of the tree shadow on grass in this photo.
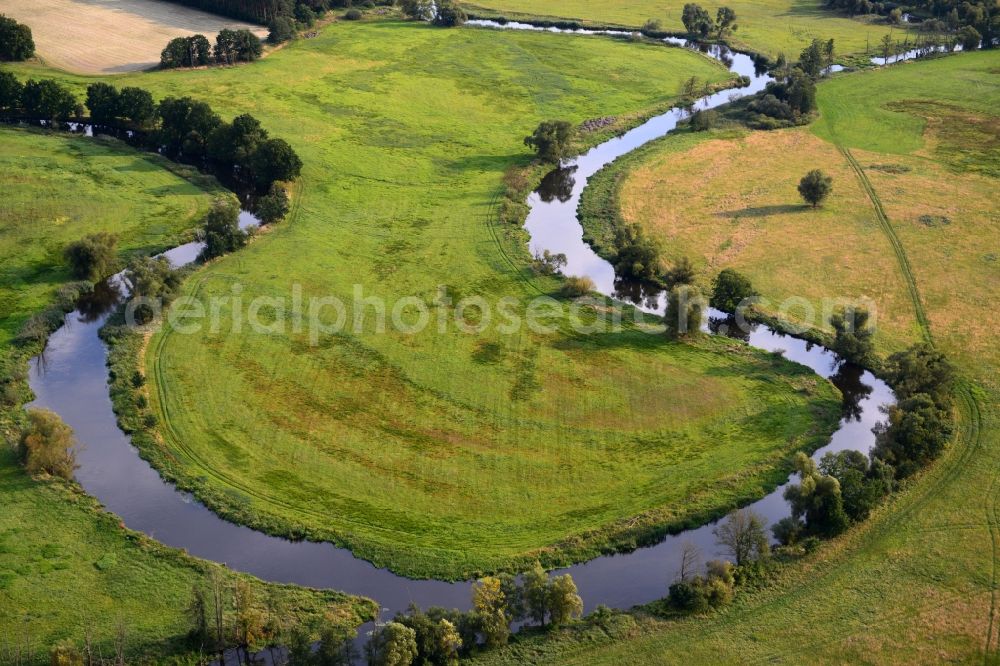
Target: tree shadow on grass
(764, 211)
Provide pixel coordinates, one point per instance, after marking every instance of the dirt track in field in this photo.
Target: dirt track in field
(108, 36)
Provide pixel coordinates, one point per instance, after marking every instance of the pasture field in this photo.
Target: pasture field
(918, 582)
(59, 188)
(448, 453)
(767, 26)
(107, 36)
(66, 567)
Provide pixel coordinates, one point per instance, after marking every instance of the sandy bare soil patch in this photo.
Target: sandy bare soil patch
(107, 36)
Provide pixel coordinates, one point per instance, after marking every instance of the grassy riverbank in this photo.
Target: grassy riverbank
(918, 582)
(67, 568)
(448, 453)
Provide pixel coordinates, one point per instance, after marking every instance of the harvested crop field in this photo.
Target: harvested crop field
(106, 36)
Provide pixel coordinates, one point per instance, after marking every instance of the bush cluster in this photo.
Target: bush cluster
(181, 128)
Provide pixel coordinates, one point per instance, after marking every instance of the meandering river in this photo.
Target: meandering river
(71, 378)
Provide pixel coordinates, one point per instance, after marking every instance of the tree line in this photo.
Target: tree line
(182, 128)
(231, 47)
(970, 22)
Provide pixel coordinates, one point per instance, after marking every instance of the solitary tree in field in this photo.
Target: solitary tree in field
(48, 445)
(696, 20)
(551, 140)
(743, 534)
(15, 40)
(815, 186)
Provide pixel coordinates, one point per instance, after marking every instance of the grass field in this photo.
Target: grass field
(59, 188)
(918, 582)
(450, 453)
(107, 36)
(768, 26)
(66, 567)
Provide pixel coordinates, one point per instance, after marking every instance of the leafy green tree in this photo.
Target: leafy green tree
(233, 46)
(92, 257)
(420, 10)
(725, 21)
(816, 499)
(788, 530)
(280, 29)
(535, 588)
(48, 445)
(199, 635)
(917, 432)
(193, 51)
(449, 14)
(696, 20)
(863, 483)
(11, 93)
(853, 335)
(274, 160)
(684, 313)
(16, 42)
(743, 533)
(815, 186)
(703, 120)
(816, 57)
(969, 38)
(732, 290)
(438, 638)
(681, 273)
(551, 140)
(221, 231)
(921, 369)
(136, 105)
(273, 206)
(800, 94)
(565, 603)
(491, 608)
(637, 255)
(152, 277)
(335, 647)
(233, 145)
(393, 645)
(104, 103)
(185, 125)
(48, 100)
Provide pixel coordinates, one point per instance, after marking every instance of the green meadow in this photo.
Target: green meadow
(448, 453)
(917, 582)
(69, 570)
(59, 188)
(767, 26)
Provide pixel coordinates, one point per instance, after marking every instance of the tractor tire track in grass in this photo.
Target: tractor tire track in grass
(971, 433)
(897, 245)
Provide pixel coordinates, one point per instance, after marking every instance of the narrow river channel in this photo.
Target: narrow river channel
(71, 378)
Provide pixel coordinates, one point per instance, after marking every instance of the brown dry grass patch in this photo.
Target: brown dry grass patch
(734, 203)
(108, 36)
